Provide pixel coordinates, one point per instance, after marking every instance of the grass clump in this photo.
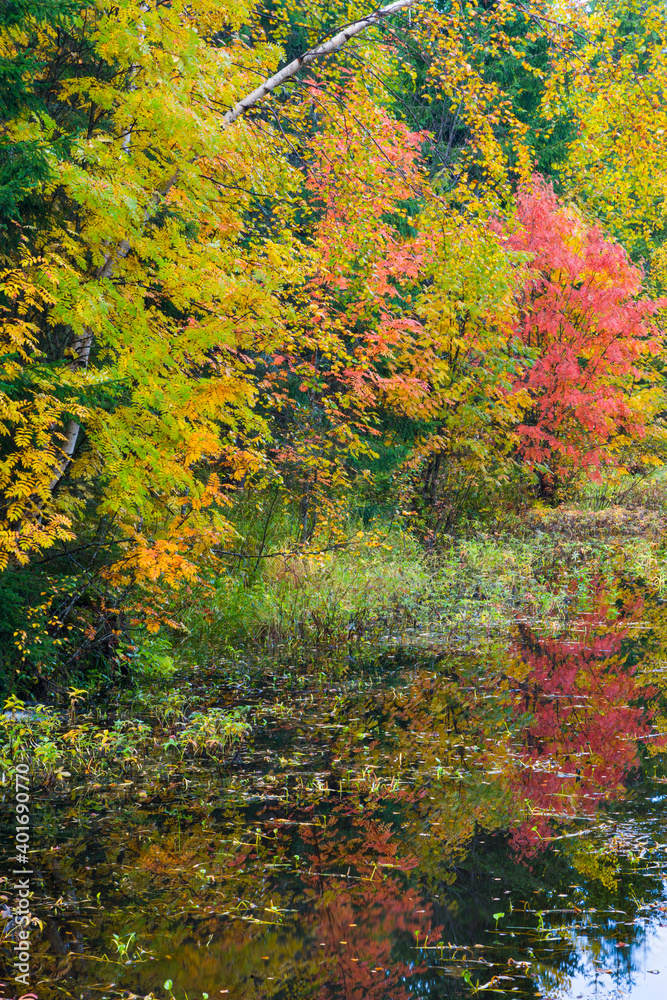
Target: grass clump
(322, 599)
(56, 746)
(210, 733)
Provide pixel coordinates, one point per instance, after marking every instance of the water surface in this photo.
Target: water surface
(423, 824)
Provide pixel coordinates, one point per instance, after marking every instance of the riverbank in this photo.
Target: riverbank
(318, 616)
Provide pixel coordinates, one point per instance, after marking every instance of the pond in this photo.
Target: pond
(430, 822)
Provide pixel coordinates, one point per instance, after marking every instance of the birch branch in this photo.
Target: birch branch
(82, 345)
(324, 49)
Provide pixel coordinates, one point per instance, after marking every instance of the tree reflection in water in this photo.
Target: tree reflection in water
(360, 850)
(587, 716)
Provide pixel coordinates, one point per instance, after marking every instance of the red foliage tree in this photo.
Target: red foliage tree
(581, 314)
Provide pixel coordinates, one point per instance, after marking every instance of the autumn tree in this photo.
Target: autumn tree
(581, 312)
(231, 264)
(613, 92)
(134, 314)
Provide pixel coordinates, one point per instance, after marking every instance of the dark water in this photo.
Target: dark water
(428, 825)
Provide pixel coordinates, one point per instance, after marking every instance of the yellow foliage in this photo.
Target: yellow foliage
(611, 87)
(147, 261)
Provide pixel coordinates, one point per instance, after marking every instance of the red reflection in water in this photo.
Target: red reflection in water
(356, 878)
(588, 716)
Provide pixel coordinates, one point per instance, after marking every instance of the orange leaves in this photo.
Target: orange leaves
(155, 559)
(360, 155)
(411, 300)
(362, 164)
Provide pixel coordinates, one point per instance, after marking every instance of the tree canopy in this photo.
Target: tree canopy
(332, 256)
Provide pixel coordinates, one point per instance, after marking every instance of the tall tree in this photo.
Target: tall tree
(582, 313)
